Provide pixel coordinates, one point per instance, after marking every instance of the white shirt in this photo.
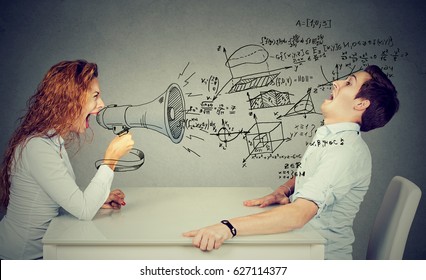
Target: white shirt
(42, 181)
(335, 174)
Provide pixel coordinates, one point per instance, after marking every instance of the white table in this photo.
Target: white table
(151, 224)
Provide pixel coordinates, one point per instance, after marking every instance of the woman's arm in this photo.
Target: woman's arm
(53, 173)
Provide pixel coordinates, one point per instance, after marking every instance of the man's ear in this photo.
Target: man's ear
(362, 104)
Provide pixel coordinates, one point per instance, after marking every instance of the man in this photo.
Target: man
(337, 168)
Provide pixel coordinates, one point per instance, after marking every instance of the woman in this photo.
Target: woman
(37, 177)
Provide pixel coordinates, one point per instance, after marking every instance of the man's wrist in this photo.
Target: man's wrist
(232, 229)
(289, 191)
(284, 190)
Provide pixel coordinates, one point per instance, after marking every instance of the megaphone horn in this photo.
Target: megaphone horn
(165, 114)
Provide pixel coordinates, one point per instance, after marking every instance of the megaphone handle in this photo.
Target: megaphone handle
(122, 132)
(136, 164)
(120, 167)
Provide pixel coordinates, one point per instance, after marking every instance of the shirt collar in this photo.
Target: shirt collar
(339, 127)
(57, 139)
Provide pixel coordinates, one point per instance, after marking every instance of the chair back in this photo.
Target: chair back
(393, 221)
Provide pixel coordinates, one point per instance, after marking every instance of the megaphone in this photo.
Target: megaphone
(165, 114)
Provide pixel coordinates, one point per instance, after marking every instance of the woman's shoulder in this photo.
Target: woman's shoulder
(44, 140)
(40, 144)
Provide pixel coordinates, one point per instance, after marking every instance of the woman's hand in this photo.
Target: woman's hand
(118, 147)
(115, 200)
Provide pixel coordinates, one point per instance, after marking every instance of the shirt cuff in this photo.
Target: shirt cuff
(104, 174)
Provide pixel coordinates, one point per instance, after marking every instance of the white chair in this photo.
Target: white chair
(393, 221)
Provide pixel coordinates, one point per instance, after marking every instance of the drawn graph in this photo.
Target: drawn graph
(246, 55)
(269, 99)
(248, 83)
(303, 107)
(261, 138)
(264, 137)
(252, 61)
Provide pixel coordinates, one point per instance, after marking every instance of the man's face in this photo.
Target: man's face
(342, 105)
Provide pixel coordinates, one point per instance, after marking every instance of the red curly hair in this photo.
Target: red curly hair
(57, 103)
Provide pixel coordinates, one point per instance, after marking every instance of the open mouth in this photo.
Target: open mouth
(87, 121)
(88, 118)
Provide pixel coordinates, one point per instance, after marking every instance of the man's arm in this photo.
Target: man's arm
(280, 219)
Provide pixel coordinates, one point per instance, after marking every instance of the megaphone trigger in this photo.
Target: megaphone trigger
(123, 130)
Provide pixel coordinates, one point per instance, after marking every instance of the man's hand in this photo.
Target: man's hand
(209, 238)
(273, 198)
(280, 196)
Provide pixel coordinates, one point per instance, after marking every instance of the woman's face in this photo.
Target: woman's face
(93, 105)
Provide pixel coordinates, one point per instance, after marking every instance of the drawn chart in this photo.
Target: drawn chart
(303, 107)
(264, 137)
(269, 99)
(248, 83)
(251, 61)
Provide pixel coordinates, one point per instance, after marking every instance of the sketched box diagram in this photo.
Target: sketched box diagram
(270, 98)
(264, 137)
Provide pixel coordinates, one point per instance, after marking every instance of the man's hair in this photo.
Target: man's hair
(383, 99)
